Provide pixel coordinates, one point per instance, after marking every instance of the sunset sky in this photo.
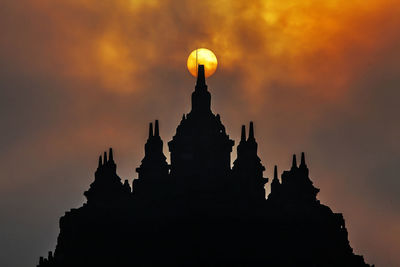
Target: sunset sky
(79, 76)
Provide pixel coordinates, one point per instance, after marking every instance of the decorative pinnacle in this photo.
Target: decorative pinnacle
(251, 131)
(150, 129)
(243, 137)
(294, 163)
(110, 155)
(105, 158)
(100, 162)
(201, 78)
(276, 172)
(156, 130)
(303, 160)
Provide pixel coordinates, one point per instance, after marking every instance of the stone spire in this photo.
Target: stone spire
(303, 160)
(248, 169)
(201, 79)
(297, 183)
(201, 98)
(242, 147)
(110, 155)
(105, 158)
(154, 161)
(201, 145)
(243, 136)
(303, 166)
(294, 162)
(275, 183)
(100, 162)
(107, 186)
(251, 132)
(252, 145)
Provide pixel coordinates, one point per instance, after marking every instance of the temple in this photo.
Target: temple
(201, 210)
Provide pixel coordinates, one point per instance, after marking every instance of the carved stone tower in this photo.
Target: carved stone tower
(153, 172)
(107, 187)
(200, 149)
(247, 169)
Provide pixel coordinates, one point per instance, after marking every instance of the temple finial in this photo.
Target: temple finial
(201, 78)
(303, 159)
(276, 172)
(150, 129)
(243, 137)
(156, 130)
(110, 155)
(201, 98)
(294, 163)
(100, 162)
(251, 131)
(105, 158)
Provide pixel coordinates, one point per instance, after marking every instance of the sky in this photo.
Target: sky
(79, 76)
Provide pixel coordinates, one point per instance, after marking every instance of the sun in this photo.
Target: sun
(202, 56)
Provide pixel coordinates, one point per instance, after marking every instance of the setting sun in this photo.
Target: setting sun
(202, 56)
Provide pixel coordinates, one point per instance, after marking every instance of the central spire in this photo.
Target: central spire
(201, 78)
(201, 98)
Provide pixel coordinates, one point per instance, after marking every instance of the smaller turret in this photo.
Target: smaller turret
(107, 186)
(296, 186)
(154, 162)
(275, 181)
(154, 169)
(275, 185)
(247, 167)
(303, 166)
(252, 145)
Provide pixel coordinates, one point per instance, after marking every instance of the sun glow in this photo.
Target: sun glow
(202, 56)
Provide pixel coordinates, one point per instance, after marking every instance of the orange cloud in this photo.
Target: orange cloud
(289, 42)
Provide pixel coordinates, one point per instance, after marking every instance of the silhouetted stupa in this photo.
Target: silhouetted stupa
(200, 211)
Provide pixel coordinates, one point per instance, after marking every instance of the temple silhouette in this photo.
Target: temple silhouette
(200, 210)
